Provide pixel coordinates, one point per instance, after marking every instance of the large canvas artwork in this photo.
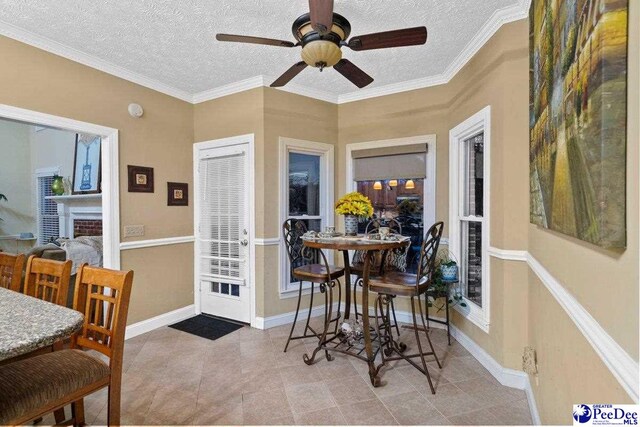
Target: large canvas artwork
(578, 97)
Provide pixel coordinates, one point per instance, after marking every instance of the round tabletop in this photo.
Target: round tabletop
(348, 243)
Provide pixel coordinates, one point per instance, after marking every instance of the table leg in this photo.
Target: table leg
(347, 284)
(373, 372)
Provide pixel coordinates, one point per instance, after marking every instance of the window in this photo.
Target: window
(306, 192)
(471, 219)
(469, 212)
(48, 219)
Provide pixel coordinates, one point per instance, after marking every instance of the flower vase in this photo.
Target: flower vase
(350, 225)
(57, 185)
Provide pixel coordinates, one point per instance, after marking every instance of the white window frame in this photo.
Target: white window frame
(479, 122)
(326, 154)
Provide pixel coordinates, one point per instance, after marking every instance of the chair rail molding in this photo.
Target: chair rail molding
(622, 366)
(137, 244)
(267, 241)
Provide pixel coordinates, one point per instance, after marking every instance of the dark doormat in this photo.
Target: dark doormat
(207, 326)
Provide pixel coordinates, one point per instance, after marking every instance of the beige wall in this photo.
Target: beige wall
(269, 114)
(605, 282)
(162, 139)
(496, 76)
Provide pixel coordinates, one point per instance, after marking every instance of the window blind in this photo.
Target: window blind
(48, 219)
(222, 212)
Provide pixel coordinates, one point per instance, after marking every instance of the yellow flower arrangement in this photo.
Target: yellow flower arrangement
(355, 204)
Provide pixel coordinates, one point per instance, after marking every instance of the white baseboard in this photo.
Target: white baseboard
(165, 319)
(283, 319)
(506, 376)
(535, 417)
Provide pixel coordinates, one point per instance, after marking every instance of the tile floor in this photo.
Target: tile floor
(172, 377)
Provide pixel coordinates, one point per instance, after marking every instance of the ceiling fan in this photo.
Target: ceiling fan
(322, 33)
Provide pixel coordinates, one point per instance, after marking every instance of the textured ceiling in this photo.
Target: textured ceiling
(173, 41)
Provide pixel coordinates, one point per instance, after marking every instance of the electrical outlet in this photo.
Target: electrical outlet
(133, 230)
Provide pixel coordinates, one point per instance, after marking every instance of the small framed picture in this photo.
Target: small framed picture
(86, 165)
(177, 194)
(140, 179)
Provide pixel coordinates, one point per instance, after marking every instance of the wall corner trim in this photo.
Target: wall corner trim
(137, 244)
(622, 366)
(156, 322)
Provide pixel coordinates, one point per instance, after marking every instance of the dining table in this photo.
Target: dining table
(338, 342)
(28, 323)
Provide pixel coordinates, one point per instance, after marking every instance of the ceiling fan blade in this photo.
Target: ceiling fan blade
(289, 74)
(321, 14)
(254, 40)
(395, 38)
(354, 74)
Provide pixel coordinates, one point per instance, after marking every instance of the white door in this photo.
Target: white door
(222, 232)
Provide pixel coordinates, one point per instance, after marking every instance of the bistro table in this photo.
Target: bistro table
(27, 323)
(345, 244)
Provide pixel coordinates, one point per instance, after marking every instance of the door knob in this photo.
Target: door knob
(244, 242)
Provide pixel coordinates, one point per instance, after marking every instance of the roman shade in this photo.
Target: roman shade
(401, 162)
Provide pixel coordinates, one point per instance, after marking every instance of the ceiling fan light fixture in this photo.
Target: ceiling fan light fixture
(321, 53)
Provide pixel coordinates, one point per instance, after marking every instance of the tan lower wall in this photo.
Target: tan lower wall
(569, 369)
(169, 278)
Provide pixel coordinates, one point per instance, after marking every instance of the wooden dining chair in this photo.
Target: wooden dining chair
(11, 271)
(48, 280)
(34, 387)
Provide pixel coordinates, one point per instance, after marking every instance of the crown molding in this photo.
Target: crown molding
(27, 37)
(229, 89)
(309, 92)
(497, 20)
(392, 88)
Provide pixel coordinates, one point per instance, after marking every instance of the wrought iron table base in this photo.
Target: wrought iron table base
(326, 343)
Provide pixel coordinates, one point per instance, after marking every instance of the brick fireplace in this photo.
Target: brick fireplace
(87, 227)
(79, 215)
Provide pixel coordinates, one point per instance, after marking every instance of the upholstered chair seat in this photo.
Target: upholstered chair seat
(43, 381)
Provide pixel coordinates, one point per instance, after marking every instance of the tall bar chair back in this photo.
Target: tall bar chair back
(309, 265)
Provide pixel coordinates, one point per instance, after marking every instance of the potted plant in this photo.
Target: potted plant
(354, 206)
(447, 265)
(441, 286)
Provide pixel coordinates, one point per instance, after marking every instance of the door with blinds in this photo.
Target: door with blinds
(222, 232)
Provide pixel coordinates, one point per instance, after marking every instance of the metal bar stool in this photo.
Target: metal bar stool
(310, 265)
(413, 286)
